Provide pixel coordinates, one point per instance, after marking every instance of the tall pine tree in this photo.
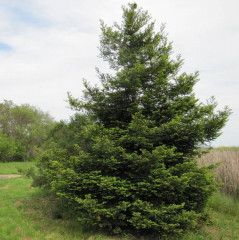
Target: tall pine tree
(137, 171)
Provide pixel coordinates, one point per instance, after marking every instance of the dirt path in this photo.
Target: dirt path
(4, 176)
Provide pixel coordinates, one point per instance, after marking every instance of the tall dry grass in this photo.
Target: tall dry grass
(227, 173)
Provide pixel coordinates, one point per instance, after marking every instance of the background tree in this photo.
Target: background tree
(67, 134)
(8, 148)
(139, 171)
(26, 125)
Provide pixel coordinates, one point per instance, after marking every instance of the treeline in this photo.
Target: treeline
(23, 130)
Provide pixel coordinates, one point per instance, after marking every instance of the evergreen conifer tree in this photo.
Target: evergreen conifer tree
(137, 171)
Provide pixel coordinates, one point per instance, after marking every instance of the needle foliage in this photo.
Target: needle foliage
(135, 169)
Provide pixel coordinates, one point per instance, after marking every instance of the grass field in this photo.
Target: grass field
(26, 214)
(14, 167)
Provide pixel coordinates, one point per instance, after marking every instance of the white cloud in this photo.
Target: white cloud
(55, 46)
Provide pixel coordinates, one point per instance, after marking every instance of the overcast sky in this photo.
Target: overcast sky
(48, 46)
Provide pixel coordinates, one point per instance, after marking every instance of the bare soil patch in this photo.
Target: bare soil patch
(4, 176)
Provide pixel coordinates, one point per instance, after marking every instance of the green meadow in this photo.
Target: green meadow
(28, 213)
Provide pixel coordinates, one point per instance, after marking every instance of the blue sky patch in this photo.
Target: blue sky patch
(5, 47)
(26, 17)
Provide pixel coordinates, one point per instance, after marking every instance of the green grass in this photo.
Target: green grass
(26, 214)
(224, 213)
(223, 148)
(22, 215)
(14, 167)
(11, 221)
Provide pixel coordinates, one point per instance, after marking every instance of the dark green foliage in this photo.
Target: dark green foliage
(68, 134)
(134, 168)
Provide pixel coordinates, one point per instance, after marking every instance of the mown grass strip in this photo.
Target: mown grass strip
(27, 214)
(14, 167)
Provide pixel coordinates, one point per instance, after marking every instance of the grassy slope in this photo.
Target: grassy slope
(26, 214)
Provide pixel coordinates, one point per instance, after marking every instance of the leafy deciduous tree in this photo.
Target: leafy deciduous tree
(26, 125)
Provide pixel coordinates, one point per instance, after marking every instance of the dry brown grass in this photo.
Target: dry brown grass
(228, 171)
(4, 187)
